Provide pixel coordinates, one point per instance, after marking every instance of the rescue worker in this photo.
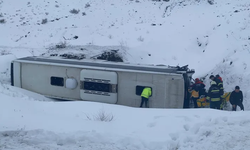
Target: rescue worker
(236, 99)
(199, 86)
(196, 90)
(194, 96)
(214, 96)
(223, 102)
(218, 77)
(145, 96)
(219, 84)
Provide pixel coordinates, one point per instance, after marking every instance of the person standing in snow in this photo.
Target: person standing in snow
(199, 86)
(214, 96)
(219, 77)
(236, 99)
(196, 90)
(219, 83)
(145, 96)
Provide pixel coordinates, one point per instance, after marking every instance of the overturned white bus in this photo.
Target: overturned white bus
(103, 81)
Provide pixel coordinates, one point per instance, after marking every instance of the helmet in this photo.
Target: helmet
(212, 76)
(213, 83)
(197, 79)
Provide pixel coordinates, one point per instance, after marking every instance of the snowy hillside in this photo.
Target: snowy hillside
(212, 37)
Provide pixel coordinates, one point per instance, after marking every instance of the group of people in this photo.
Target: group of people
(215, 93)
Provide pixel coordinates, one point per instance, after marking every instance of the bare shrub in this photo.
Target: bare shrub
(4, 52)
(110, 36)
(84, 14)
(2, 21)
(141, 39)
(87, 5)
(211, 2)
(61, 45)
(102, 115)
(1, 15)
(44, 21)
(74, 11)
(56, 6)
(111, 55)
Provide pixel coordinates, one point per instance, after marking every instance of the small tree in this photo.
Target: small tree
(61, 45)
(141, 39)
(44, 21)
(87, 5)
(211, 2)
(2, 21)
(74, 11)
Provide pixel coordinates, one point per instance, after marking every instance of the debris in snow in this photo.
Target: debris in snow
(72, 56)
(111, 55)
(61, 45)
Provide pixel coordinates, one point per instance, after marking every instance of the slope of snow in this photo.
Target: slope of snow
(32, 124)
(212, 39)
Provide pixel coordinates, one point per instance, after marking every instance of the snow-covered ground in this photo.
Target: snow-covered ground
(27, 123)
(212, 39)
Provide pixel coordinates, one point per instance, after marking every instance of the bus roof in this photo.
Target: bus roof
(104, 64)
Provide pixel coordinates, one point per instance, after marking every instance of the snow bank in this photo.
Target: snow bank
(30, 124)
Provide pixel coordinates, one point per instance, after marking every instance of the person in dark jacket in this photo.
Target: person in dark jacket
(199, 86)
(219, 84)
(236, 99)
(219, 77)
(214, 96)
(197, 89)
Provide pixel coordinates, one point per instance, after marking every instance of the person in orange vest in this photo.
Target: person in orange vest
(194, 96)
(196, 90)
(145, 96)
